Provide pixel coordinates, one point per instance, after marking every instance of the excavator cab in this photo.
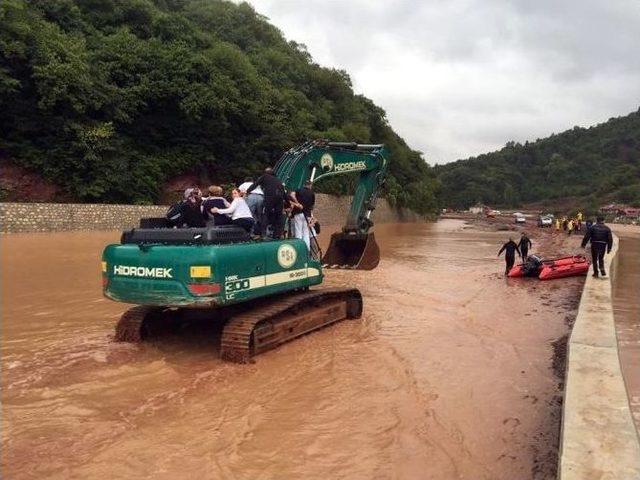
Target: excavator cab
(358, 251)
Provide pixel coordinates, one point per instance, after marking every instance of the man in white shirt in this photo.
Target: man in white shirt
(255, 201)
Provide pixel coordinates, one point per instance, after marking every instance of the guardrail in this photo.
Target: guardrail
(598, 438)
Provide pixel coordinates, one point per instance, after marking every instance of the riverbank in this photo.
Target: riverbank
(63, 217)
(548, 243)
(600, 358)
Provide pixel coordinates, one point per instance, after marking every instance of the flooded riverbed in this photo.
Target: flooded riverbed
(447, 375)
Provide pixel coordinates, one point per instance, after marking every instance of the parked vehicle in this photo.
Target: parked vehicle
(544, 221)
(521, 219)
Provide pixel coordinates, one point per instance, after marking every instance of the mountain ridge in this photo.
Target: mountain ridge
(593, 164)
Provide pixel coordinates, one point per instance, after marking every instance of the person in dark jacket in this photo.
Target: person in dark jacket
(600, 237)
(215, 200)
(188, 212)
(510, 256)
(524, 245)
(273, 191)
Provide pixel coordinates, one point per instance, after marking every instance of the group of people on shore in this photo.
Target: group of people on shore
(262, 208)
(571, 224)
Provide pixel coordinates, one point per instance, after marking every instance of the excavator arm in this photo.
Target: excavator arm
(355, 246)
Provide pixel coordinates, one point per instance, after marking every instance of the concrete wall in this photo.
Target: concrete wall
(52, 217)
(598, 439)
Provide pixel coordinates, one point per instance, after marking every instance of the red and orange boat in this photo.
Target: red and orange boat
(555, 268)
(579, 266)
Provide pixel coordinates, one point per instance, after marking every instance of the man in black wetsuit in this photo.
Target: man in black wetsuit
(510, 248)
(600, 236)
(524, 245)
(273, 191)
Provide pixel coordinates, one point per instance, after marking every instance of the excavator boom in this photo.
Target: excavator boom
(355, 246)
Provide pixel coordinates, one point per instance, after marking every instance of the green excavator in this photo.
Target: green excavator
(260, 289)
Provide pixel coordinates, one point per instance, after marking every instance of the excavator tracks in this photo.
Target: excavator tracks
(143, 321)
(254, 327)
(131, 324)
(274, 321)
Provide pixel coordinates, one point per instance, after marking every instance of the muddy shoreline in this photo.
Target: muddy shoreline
(549, 244)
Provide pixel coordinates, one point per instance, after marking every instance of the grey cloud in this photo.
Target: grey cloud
(460, 77)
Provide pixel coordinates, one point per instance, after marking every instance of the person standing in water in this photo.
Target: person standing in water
(524, 244)
(600, 237)
(510, 256)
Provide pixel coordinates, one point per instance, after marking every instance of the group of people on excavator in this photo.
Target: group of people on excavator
(260, 207)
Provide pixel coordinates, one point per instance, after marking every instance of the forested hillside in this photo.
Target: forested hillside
(111, 98)
(596, 164)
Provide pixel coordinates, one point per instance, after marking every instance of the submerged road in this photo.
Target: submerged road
(626, 309)
(447, 375)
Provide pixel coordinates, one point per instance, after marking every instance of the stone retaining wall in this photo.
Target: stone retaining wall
(598, 439)
(53, 217)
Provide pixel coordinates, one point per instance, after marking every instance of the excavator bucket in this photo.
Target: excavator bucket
(357, 251)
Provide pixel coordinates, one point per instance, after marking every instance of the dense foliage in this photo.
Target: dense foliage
(596, 164)
(110, 98)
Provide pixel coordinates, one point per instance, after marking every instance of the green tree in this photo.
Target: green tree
(112, 98)
(594, 165)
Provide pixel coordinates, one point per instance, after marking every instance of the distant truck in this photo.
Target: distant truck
(521, 219)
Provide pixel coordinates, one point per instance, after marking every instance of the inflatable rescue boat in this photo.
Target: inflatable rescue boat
(554, 268)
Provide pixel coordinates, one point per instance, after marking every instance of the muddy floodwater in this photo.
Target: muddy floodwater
(449, 374)
(626, 309)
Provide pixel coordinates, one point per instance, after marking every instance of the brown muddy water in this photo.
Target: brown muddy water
(626, 309)
(447, 375)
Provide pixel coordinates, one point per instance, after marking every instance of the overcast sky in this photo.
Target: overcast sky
(461, 77)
